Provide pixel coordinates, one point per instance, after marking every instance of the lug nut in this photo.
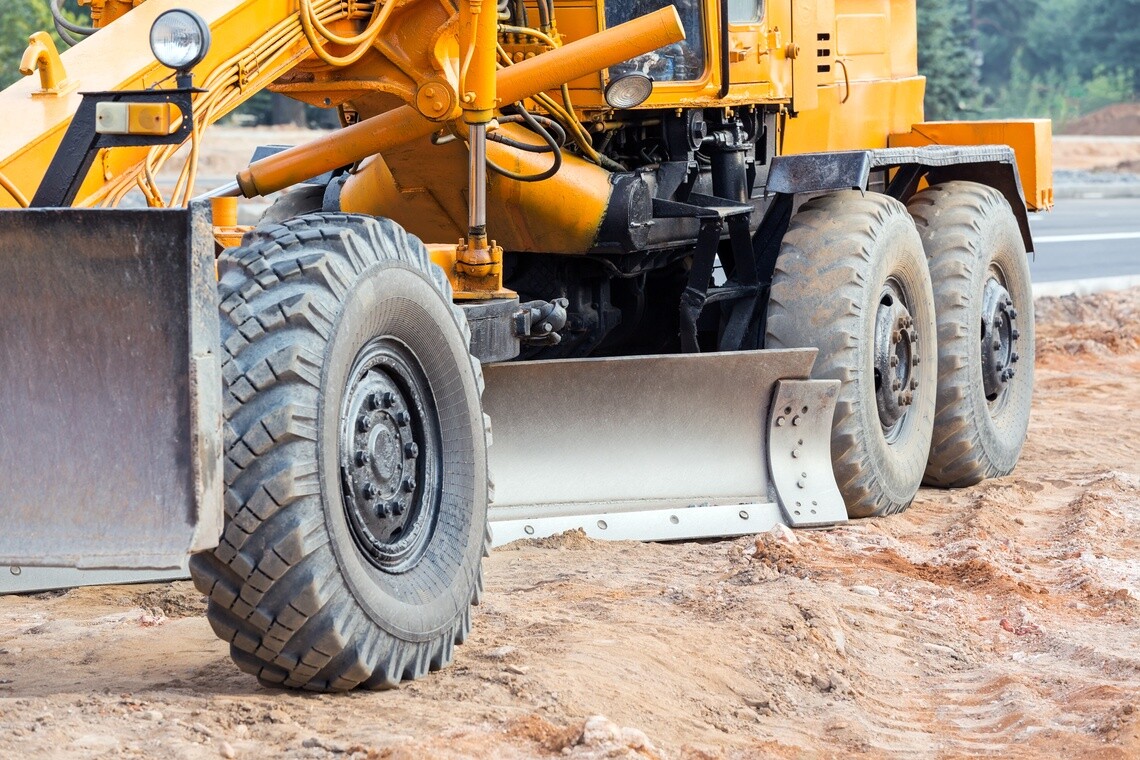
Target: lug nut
(402, 417)
(1015, 333)
(411, 450)
(364, 423)
(1014, 359)
(409, 485)
(915, 361)
(897, 384)
(397, 508)
(894, 361)
(914, 384)
(382, 510)
(997, 345)
(896, 336)
(1012, 313)
(362, 458)
(368, 491)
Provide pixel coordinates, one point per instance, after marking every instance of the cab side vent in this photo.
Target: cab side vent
(823, 52)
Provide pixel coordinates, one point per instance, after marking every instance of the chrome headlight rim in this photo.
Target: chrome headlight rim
(191, 23)
(628, 90)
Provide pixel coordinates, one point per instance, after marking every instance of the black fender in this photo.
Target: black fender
(992, 165)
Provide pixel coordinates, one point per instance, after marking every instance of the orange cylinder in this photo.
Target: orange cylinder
(543, 72)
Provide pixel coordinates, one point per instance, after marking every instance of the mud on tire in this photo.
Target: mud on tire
(984, 300)
(316, 583)
(852, 281)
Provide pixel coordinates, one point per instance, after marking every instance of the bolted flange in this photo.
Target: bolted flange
(895, 358)
(999, 338)
(390, 468)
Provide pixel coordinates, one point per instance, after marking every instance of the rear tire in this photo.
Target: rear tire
(851, 280)
(356, 465)
(981, 277)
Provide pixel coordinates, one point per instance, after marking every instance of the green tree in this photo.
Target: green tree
(1110, 38)
(948, 58)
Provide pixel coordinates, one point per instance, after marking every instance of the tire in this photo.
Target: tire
(335, 571)
(980, 273)
(851, 280)
(296, 201)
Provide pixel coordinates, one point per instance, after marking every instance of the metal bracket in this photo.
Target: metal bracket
(799, 452)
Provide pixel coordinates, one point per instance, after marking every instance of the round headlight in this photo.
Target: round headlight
(179, 39)
(629, 90)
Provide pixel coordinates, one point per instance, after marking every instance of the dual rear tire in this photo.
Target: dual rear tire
(924, 313)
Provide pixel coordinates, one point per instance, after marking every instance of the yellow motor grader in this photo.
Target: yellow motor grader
(701, 267)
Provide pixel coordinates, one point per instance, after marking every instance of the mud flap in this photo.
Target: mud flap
(660, 448)
(110, 389)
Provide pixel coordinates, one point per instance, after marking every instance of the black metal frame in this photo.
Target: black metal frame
(82, 143)
(992, 165)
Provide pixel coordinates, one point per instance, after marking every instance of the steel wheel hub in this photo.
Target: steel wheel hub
(388, 472)
(896, 358)
(999, 339)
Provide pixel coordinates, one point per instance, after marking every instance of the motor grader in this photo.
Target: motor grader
(701, 267)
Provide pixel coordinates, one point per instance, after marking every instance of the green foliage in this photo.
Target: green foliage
(1031, 58)
(947, 56)
(1058, 95)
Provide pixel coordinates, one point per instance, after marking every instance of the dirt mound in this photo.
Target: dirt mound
(1118, 119)
(1000, 620)
(1096, 325)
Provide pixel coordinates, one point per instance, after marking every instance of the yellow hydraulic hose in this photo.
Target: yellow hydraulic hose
(523, 80)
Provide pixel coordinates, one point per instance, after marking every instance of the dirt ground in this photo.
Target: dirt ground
(996, 620)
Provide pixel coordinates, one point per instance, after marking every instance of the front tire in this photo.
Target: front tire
(851, 280)
(356, 465)
(984, 299)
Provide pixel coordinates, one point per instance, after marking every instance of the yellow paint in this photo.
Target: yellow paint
(423, 187)
(1031, 140)
(42, 57)
(842, 72)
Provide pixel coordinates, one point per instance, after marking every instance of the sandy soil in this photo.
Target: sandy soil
(998, 620)
(1098, 154)
(1117, 119)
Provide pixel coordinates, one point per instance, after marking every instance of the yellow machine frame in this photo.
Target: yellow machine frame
(841, 74)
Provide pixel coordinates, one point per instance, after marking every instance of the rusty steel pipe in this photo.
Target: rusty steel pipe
(523, 80)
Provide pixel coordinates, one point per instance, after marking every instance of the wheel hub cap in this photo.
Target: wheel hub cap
(999, 339)
(896, 358)
(386, 422)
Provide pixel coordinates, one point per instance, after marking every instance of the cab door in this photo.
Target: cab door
(780, 49)
(748, 47)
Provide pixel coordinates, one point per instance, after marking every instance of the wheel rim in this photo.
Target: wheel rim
(999, 338)
(896, 359)
(390, 456)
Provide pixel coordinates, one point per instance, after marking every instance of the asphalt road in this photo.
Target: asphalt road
(1082, 239)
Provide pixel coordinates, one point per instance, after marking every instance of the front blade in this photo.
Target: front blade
(110, 391)
(648, 448)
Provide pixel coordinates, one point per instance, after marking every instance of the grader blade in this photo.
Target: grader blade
(661, 448)
(110, 401)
